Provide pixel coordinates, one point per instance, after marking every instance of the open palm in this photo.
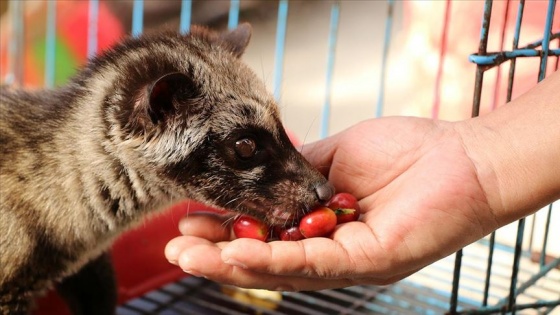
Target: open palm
(420, 197)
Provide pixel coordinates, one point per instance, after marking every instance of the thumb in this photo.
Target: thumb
(320, 154)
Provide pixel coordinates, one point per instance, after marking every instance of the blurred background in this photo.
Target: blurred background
(415, 51)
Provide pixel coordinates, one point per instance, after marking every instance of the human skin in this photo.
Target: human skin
(426, 189)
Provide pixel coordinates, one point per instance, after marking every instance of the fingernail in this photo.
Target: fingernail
(236, 263)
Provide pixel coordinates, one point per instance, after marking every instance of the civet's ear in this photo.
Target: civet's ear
(164, 94)
(159, 102)
(237, 40)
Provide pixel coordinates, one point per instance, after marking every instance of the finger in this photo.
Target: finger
(205, 225)
(316, 257)
(203, 259)
(179, 245)
(214, 269)
(250, 279)
(199, 255)
(253, 280)
(320, 154)
(175, 247)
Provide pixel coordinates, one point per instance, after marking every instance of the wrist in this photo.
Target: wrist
(516, 152)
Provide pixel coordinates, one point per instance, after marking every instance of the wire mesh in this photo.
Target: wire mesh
(411, 296)
(486, 61)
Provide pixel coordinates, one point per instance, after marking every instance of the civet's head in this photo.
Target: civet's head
(201, 122)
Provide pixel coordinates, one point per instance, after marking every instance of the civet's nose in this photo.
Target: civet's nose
(324, 191)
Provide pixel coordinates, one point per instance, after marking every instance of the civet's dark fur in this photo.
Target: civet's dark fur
(150, 122)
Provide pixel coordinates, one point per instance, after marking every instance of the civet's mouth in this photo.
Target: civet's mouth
(280, 216)
(272, 214)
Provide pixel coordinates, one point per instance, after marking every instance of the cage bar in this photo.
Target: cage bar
(546, 38)
(137, 17)
(93, 22)
(333, 34)
(484, 62)
(545, 238)
(280, 47)
(557, 56)
(496, 59)
(385, 57)
(233, 18)
(498, 81)
(481, 52)
(50, 38)
(456, 280)
(515, 45)
(16, 46)
(515, 269)
(442, 52)
(475, 111)
(505, 305)
(489, 268)
(185, 18)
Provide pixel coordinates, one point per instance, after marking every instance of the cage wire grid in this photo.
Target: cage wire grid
(506, 279)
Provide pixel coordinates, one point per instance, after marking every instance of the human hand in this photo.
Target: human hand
(420, 197)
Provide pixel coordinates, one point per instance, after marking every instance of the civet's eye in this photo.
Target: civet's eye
(245, 148)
